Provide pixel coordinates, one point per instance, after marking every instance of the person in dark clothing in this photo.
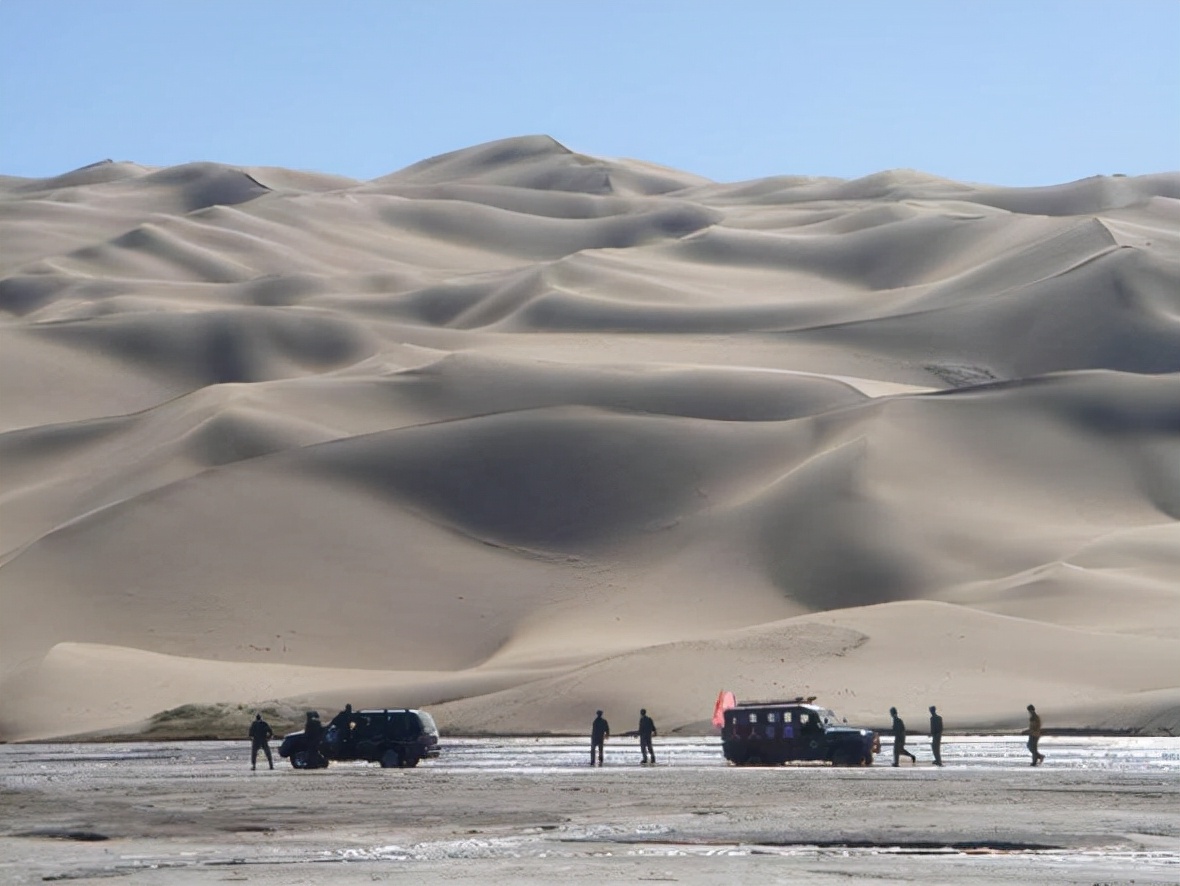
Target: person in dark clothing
(341, 720)
(599, 733)
(1034, 735)
(647, 728)
(260, 735)
(936, 735)
(899, 738)
(343, 725)
(313, 736)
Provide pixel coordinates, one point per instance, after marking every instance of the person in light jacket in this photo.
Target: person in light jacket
(1034, 735)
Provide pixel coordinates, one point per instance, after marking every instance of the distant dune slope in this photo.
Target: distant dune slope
(517, 432)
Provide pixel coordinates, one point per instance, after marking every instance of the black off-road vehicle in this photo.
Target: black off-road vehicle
(795, 730)
(393, 738)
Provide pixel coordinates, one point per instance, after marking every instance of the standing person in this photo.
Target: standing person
(260, 735)
(647, 728)
(340, 731)
(313, 737)
(1034, 735)
(936, 735)
(599, 733)
(899, 738)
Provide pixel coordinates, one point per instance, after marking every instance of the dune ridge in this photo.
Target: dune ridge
(517, 433)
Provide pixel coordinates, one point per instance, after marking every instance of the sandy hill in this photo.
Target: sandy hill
(517, 433)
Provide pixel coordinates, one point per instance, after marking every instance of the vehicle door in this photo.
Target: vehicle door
(812, 744)
(765, 741)
(367, 736)
(738, 734)
(770, 730)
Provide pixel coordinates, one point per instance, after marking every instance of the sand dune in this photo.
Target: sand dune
(517, 433)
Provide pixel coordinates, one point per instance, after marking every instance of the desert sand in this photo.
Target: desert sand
(517, 433)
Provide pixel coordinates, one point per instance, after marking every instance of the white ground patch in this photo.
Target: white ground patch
(531, 811)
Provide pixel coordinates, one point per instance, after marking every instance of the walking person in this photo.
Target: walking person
(936, 735)
(647, 728)
(599, 733)
(899, 738)
(1034, 735)
(260, 735)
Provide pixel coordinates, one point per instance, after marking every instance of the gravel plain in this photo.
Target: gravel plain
(530, 811)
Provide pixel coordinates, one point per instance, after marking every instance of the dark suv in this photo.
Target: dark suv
(393, 738)
(795, 730)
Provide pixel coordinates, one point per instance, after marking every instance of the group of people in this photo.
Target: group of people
(1033, 732)
(600, 732)
(260, 735)
(899, 737)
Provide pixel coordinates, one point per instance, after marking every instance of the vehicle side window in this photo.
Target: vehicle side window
(771, 719)
(759, 721)
(398, 727)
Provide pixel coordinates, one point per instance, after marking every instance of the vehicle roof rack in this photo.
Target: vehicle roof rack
(798, 699)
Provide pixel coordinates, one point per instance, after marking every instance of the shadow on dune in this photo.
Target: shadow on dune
(520, 404)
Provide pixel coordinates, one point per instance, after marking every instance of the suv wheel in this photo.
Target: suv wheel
(307, 760)
(391, 759)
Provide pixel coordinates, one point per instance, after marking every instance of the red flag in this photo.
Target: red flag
(725, 701)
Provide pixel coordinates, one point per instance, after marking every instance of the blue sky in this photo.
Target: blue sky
(1000, 91)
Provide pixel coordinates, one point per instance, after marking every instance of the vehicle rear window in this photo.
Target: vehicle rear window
(427, 722)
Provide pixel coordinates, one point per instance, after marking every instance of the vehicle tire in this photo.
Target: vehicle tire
(391, 759)
(367, 750)
(299, 760)
(410, 761)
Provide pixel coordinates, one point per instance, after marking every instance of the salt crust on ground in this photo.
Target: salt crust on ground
(532, 812)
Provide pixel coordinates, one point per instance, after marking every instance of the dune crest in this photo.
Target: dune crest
(518, 433)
